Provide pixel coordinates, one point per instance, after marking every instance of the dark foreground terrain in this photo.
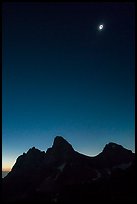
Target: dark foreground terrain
(62, 175)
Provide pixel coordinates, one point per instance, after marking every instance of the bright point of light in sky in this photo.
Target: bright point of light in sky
(100, 27)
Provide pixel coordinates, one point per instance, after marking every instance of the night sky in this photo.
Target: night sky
(62, 76)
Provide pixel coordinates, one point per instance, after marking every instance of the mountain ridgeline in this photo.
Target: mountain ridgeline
(62, 175)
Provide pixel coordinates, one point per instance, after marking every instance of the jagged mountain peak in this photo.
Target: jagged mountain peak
(61, 150)
(114, 154)
(29, 160)
(111, 146)
(33, 150)
(60, 142)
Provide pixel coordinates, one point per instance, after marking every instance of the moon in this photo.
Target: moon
(100, 27)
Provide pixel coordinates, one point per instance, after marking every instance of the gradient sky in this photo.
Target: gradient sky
(61, 76)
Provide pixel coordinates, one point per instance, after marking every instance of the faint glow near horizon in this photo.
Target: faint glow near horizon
(8, 162)
(7, 167)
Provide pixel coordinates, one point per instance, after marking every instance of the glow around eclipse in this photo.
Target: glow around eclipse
(100, 27)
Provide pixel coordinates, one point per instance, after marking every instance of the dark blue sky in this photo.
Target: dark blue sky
(61, 76)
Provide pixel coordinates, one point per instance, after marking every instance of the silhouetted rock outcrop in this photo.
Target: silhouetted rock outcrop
(63, 175)
(61, 151)
(114, 155)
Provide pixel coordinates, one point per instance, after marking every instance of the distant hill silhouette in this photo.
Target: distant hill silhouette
(62, 175)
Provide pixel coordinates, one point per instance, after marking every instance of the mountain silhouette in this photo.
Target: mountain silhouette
(63, 175)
